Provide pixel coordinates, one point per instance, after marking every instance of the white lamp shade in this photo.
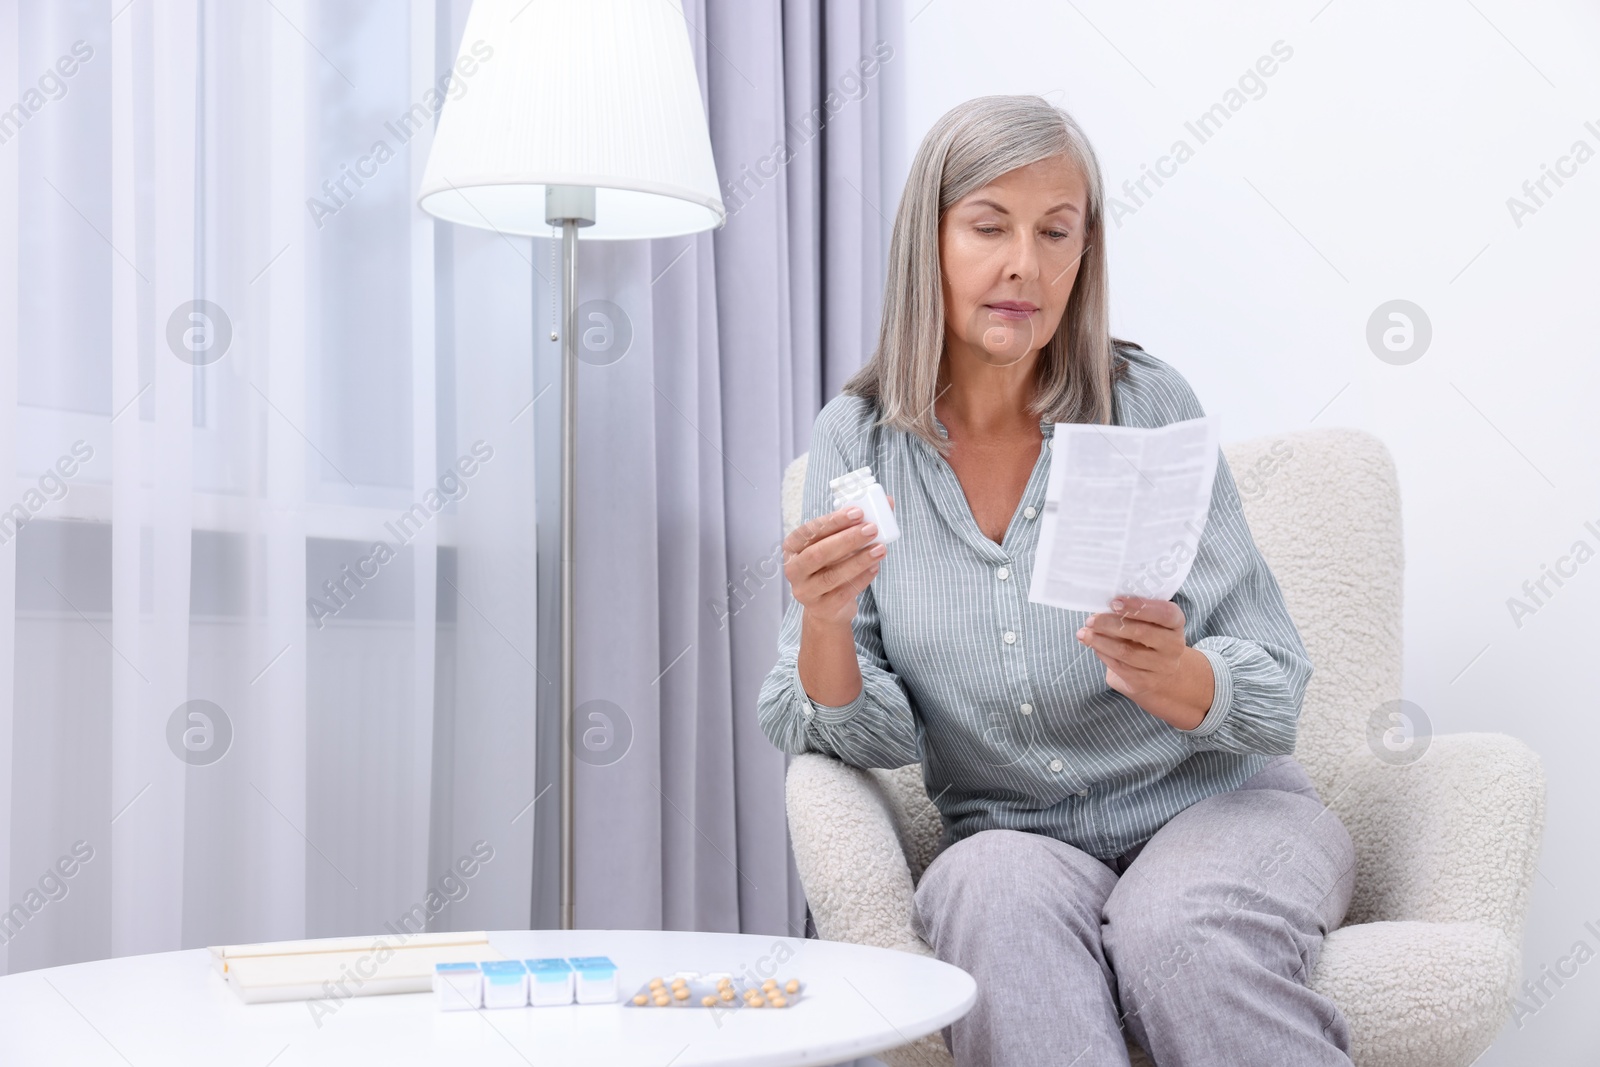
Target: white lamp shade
(598, 93)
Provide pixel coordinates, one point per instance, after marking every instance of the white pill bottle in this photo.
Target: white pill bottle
(861, 489)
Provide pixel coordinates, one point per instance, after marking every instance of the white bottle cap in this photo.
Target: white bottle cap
(852, 485)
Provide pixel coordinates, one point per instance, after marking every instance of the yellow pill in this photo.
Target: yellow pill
(727, 994)
(640, 999)
(793, 986)
(663, 1000)
(757, 1002)
(769, 984)
(681, 993)
(706, 1002)
(678, 983)
(655, 983)
(779, 1002)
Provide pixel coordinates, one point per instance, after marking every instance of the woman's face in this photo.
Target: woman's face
(1008, 255)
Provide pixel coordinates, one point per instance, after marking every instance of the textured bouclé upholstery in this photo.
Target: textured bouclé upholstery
(1428, 959)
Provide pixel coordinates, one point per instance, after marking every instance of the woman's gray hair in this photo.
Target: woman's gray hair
(970, 146)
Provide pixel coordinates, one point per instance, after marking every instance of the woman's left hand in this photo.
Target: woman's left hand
(1147, 660)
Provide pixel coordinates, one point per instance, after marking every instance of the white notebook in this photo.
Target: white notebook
(357, 966)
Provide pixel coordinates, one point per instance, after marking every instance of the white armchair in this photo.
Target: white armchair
(1430, 954)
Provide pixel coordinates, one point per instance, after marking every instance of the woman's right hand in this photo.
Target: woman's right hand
(830, 560)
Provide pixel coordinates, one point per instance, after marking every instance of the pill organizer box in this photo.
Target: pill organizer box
(463, 985)
(595, 979)
(505, 984)
(550, 982)
(457, 986)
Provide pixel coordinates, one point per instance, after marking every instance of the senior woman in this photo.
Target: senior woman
(1128, 839)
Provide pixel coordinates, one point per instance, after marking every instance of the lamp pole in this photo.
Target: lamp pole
(570, 206)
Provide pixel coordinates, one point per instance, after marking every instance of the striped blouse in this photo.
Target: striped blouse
(1007, 712)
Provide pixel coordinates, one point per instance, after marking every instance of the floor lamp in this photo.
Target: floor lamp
(587, 115)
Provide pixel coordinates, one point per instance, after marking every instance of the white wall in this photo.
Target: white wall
(1376, 165)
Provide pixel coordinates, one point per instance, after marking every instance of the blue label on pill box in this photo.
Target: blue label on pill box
(511, 967)
(456, 968)
(549, 970)
(592, 964)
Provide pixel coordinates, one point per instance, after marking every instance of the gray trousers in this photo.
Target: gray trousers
(1200, 941)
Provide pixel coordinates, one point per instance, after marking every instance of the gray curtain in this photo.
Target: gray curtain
(737, 339)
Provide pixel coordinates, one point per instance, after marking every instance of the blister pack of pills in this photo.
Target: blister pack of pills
(716, 989)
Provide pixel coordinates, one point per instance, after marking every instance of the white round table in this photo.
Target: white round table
(172, 1008)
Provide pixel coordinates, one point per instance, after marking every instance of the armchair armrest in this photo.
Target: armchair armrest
(848, 853)
(1452, 837)
(1418, 994)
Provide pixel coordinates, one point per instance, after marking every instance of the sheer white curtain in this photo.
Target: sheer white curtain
(267, 585)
